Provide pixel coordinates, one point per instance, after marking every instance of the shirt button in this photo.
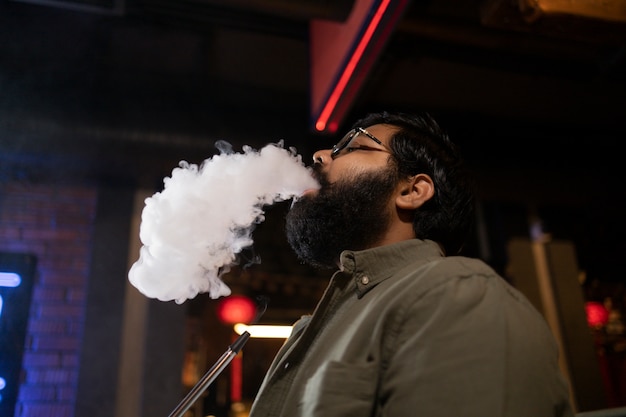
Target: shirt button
(286, 365)
(365, 280)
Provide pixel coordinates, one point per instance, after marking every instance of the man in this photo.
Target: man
(406, 327)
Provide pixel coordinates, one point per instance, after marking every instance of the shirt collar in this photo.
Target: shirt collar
(372, 266)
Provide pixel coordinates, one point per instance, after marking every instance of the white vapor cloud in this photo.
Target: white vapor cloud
(192, 231)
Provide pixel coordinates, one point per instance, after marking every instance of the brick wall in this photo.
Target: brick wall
(53, 222)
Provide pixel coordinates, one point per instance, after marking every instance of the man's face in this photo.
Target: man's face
(351, 210)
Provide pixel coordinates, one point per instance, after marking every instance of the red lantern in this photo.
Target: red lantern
(236, 309)
(597, 314)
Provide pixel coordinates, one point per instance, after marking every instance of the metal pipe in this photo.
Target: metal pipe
(210, 375)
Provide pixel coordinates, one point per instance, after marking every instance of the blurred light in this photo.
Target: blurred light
(10, 279)
(611, 10)
(236, 309)
(3, 383)
(597, 314)
(268, 331)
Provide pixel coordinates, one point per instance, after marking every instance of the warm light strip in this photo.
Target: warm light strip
(350, 67)
(269, 331)
(10, 279)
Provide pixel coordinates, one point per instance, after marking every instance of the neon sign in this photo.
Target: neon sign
(11, 280)
(17, 276)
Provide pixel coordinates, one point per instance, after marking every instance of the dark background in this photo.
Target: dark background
(122, 91)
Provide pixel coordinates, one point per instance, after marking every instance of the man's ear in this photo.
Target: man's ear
(415, 191)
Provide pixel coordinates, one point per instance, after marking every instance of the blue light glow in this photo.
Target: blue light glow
(10, 279)
(3, 384)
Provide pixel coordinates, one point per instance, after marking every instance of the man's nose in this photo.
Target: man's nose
(322, 156)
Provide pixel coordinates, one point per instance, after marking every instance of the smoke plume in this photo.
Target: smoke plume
(193, 230)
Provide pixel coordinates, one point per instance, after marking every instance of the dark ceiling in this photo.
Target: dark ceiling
(169, 71)
(137, 85)
(115, 88)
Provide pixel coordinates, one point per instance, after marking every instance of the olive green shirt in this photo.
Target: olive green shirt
(404, 331)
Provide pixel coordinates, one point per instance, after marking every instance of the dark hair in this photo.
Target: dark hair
(421, 146)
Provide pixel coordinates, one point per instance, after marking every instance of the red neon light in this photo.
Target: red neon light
(236, 309)
(597, 314)
(350, 67)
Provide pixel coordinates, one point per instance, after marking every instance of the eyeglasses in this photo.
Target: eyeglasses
(344, 143)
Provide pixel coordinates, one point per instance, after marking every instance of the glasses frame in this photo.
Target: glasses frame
(349, 137)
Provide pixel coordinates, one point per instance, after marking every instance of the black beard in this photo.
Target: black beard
(349, 214)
